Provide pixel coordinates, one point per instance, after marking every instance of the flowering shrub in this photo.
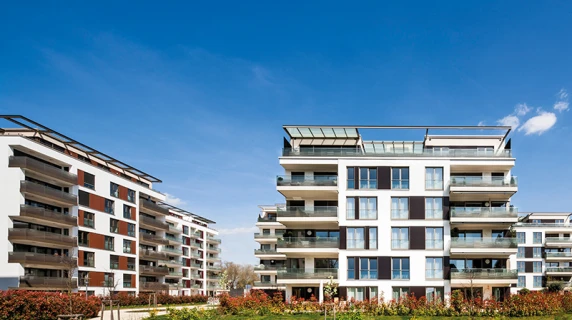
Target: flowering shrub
(28, 305)
(192, 314)
(143, 299)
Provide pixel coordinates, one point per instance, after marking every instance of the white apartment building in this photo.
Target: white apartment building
(73, 216)
(388, 218)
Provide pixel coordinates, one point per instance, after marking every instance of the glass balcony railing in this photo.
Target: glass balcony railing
(558, 254)
(266, 252)
(315, 242)
(479, 181)
(268, 267)
(317, 273)
(171, 262)
(176, 229)
(213, 249)
(484, 212)
(173, 238)
(307, 212)
(266, 236)
(264, 283)
(483, 243)
(172, 250)
(324, 181)
(267, 219)
(213, 239)
(146, 221)
(542, 225)
(427, 152)
(477, 273)
(558, 240)
(561, 269)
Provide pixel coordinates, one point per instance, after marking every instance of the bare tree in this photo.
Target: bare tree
(246, 276)
(232, 273)
(237, 276)
(70, 267)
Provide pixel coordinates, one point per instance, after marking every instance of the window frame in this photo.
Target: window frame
(374, 239)
(435, 275)
(401, 270)
(355, 229)
(400, 180)
(352, 179)
(352, 269)
(534, 238)
(535, 282)
(112, 192)
(521, 237)
(441, 241)
(85, 183)
(520, 269)
(537, 266)
(441, 186)
(131, 195)
(371, 273)
(363, 210)
(393, 246)
(520, 284)
(537, 252)
(520, 253)
(368, 180)
(111, 224)
(399, 204)
(433, 216)
(126, 241)
(106, 241)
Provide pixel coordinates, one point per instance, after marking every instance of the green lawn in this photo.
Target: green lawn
(321, 317)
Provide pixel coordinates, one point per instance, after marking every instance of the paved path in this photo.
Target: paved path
(138, 314)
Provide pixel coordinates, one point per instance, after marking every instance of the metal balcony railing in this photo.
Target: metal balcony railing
(48, 215)
(153, 238)
(46, 282)
(478, 273)
(559, 254)
(153, 286)
(42, 168)
(483, 242)
(47, 192)
(323, 181)
(315, 242)
(484, 212)
(317, 273)
(151, 207)
(146, 221)
(427, 152)
(542, 225)
(475, 181)
(150, 254)
(37, 258)
(560, 269)
(307, 212)
(17, 234)
(153, 270)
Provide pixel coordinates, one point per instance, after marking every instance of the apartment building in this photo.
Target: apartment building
(391, 217)
(544, 256)
(74, 217)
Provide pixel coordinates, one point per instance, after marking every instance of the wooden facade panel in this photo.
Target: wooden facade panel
(384, 265)
(80, 258)
(446, 209)
(96, 241)
(80, 217)
(417, 238)
(384, 178)
(96, 279)
(122, 263)
(96, 202)
(123, 228)
(343, 233)
(80, 177)
(133, 247)
(123, 193)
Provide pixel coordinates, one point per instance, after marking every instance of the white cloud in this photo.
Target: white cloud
(172, 200)
(561, 106)
(539, 123)
(562, 94)
(510, 120)
(238, 230)
(521, 109)
(481, 124)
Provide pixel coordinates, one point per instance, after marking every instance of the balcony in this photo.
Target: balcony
(558, 256)
(174, 240)
(318, 187)
(155, 271)
(175, 229)
(152, 255)
(264, 284)
(39, 215)
(41, 238)
(269, 254)
(266, 238)
(476, 276)
(195, 265)
(268, 269)
(295, 217)
(172, 251)
(42, 171)
(196, 245)
(213, 259)
(563, 271)
(150, 207)
(422, 153)
(171, 263)
(484, 215)
(152, 239)
(301, 245)
(214, 268)
(467, 188)
(174, 274)
(153, 224)
(295, 276)
(40, 193)
(213, 239)
(38, 260)
(483, 247)
(196, 255)
(213, 249)
(195, 235)
(213, 287)
(556, 242)
(152, 286)
(46, 283)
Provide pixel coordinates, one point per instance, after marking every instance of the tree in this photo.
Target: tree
(70, 267)
(246, 276)
(232, 271)
(223, 281)
(236, 276)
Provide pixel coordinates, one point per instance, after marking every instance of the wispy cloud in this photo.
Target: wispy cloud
(539, 124)
(522, 109)
(481, 124)
(177, 202)
(562, 103)
(239, 230)
(510, 120)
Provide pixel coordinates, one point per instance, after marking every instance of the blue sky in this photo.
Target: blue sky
(196, 93)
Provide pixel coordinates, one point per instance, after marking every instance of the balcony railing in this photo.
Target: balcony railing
(477, 273)
(171, 262)
(153, 223)
(175, 239)
(558, 240)
(427, 152)
(17, 234)
(37, 258)
(176, 229)
(172, 250)
(195, 235)
(153, 286)
(213, 249)
(302, 242)
(153, 270)
(46, 282)
(267, 219)
(266, 236)
(484, 212)
(151, 254)
(175, 273)
(196, 255)
(48, 215)
(42, 168)
(559, 254)
(153, 238)
(318, 273)
(479, 181)
(266, 252)
(483, 243)
(561, 269)
(268, 267)
(323, 181)
(214, 268)
(264, 283)
(151, 207)
(196, 245)
(213, 239)
(542, 225)
(47, 192)
(307, 212)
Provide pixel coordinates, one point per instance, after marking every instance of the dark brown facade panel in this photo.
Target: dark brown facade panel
(528, 252)
(384, 178)
(343, 233)
(446, 268)
(446, 209)
(356, 178)
(356, 268)
(366, 238)
(417, 238)
(528, 267)
(418, 292)
(384, 266)
(343, 292)
(417, 208)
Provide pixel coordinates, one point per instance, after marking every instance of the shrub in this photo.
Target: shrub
(143, 299)
(192, 314)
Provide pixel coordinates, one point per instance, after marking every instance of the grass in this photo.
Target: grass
(321, 317)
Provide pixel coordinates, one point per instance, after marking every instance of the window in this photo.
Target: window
(367, 208)
(108, 242)
(434, 238)
(521, 237)
(537, 237)
(434, 268)
(400, 178)
(367, 178)
(520, 266)
(356, 293)
(355, 239)
(131, 195)
(559, 221)
(114, 190)
(89, 180)
(88, 220)
(109, 206)
(83, 238)
(400, 293)
(351, 178)
(433, 178)
(126, 280)
(368, 268)
(520, 252)
(127, 246)
(399, 238)
(433, 208)
(113, 262)
(536, 252)
(131, 264)
(399, 208)
(126, 212)
(537, 266)
(114, 226)
(83, 277)
(537, 281)
(185, 230)
(88, 259)
(434, 294)
(131, 229)
(373, 294)
(521, 282)
(351, 268)
(83, 198)
(400, 269)
(372, 238)
(108, 280)
(351, 208)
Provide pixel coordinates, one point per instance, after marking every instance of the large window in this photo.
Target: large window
(434, 238)
(83, 238)
(131, 229)
(127, 212)
(355, 238)
(400, 178)
(520, 266)
(521, 237)
(399, 238)
(400, 269)
(520, 252)
(131, 195)
(351, 268)
(351, 178)
(109, 206)
(400, 293)
(537, 238)
(127, 246)
(399, 208)
(114, 226)
(434, 178)
(88, 259)
(88, 219)
(434, 294)
(433, 208)
(521, 282)
(114, 190)
(108, 242)
(368, 268)
(89, 180)
(434, 268)
(372, 238)
(356, 294)
(127, 280)
(536, 252)
(350, 208)
(368, 178)
(537, 266)
(367, 208)
(537, 281)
